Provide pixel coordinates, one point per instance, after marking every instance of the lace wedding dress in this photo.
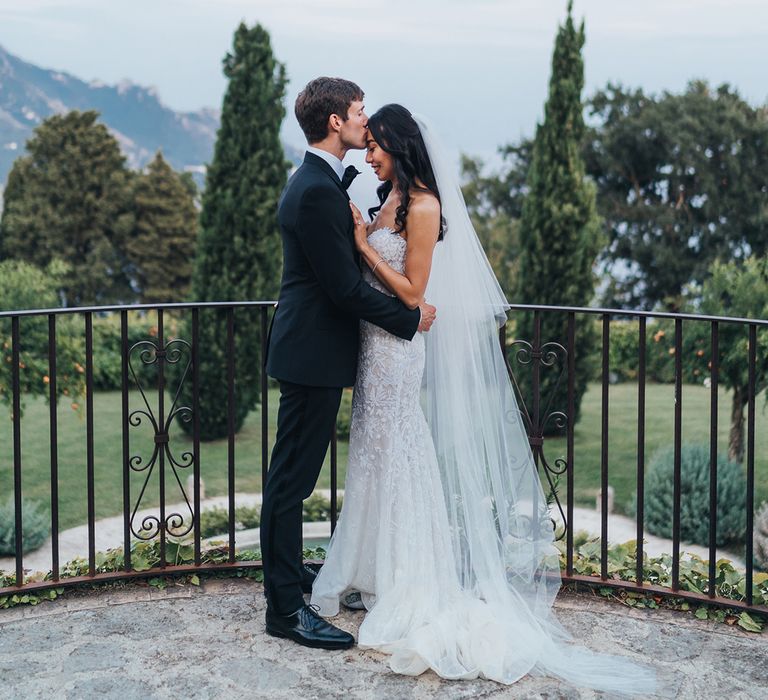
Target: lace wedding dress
(397, 537)
(392, 542)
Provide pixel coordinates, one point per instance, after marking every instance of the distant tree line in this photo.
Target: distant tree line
(125, 236)
(114, 235)
(662, 199)
(680, 183)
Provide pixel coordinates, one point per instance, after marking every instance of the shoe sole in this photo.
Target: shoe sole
(329, 646)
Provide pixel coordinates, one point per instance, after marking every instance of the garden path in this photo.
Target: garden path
(109, 534)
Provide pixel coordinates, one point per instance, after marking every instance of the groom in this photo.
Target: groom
(313, 344)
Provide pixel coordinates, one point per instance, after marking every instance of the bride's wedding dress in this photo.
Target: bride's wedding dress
(444, 529)
(392, 542)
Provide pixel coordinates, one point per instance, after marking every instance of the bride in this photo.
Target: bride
(445, 537)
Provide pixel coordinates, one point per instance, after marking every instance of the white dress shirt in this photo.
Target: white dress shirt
(332, 160)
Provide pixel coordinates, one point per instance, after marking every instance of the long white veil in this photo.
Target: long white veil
(503, 538)
(499, 517)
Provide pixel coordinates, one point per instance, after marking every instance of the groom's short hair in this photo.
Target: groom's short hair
(321, 98)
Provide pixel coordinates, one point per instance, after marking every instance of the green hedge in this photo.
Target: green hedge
(659, 351)
(107, 348)
(36, 526)
(215, 521)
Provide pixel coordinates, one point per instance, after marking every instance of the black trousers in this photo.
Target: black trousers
(305, 422)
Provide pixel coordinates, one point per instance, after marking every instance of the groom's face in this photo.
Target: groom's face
(353, 131)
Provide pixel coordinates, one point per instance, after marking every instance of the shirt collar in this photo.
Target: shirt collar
(332, 160)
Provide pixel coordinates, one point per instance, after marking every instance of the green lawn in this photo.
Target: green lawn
(659, 432)
(108, 450)
(108, 458)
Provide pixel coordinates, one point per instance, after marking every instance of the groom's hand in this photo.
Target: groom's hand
(428, 313)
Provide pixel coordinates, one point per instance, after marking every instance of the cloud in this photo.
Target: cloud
(34, 7)
(498, 22)
(437, 23)
(44, 15)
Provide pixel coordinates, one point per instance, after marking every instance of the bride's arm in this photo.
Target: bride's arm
(423, 227)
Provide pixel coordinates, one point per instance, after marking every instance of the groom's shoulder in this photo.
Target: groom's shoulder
(309, 176)
(311, 182)
(311, 191)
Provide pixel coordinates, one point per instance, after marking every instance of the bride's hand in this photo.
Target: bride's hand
(361, 228)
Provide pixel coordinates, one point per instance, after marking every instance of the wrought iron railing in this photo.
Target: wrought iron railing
(536, 355)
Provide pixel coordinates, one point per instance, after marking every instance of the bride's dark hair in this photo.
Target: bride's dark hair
(395, 131)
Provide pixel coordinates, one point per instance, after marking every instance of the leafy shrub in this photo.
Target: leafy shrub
(344, 416)
(215, 521)
(623, 350)
(729, 582)
(24, 286)
(696, 351)
(248, 516)
(694, 496)
(317, 508)
(659, 351)
(107, 349)
(760, 539)
(694, 574)
(34, 522)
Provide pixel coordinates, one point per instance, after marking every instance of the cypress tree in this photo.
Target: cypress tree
(161, 249)
(238, 253)
(560, 229)
(69, 199)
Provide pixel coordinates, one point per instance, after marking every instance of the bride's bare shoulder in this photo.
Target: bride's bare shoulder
(424, 215)
(424, 203)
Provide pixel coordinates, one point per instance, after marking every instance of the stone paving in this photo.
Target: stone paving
(137, 642)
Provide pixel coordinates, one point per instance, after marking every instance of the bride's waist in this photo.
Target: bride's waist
(370, 334)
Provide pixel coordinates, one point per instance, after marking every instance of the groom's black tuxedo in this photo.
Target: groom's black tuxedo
(312, 351)
(314, 337)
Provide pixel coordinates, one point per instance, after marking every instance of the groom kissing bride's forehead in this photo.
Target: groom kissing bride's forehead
(332, 105)
(314, 343)
(443, 539)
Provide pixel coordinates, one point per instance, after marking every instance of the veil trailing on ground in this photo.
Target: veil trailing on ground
(503, 537)
(499, 517)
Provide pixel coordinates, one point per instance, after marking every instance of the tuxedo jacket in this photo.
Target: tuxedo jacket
(314, 335)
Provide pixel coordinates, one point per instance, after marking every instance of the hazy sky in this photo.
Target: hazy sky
(478, 68)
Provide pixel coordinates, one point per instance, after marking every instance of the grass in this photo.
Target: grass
(108, 449)
(108, 458)
(659, 433)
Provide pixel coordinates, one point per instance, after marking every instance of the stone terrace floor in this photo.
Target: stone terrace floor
(134, 641)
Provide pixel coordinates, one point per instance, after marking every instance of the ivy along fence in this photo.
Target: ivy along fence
(163, 473)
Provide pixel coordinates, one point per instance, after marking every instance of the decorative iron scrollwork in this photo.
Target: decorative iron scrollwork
(150, 353)
(547, 356)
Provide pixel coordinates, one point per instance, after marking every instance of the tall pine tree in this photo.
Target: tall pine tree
(559, 229)
(162, 246)
(238, 255)
(69, 199)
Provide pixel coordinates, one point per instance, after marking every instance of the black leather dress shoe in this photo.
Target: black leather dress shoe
(307, 628)
(308, 576)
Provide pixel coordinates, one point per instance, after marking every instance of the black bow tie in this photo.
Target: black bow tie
(350, 173)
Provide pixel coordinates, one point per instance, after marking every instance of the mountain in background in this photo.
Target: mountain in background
(137, 118)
